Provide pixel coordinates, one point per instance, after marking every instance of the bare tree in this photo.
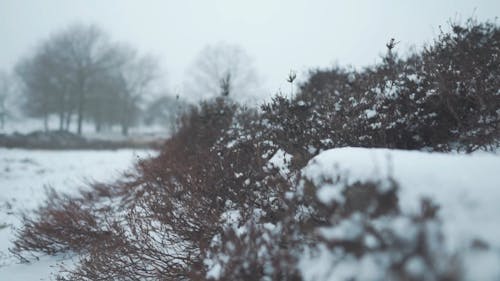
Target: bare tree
(135, 78)
(166, 110)
(5, 92)
(58, 79)
(80, 71)
(37, 86)
(62, 69)
(88, 53)
(103, 103)
(222, 70)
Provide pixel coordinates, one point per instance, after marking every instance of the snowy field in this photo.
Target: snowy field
(24, 176)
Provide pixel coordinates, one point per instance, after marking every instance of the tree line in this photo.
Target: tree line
(80, 73)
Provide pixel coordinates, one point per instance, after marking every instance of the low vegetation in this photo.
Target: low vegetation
(226, 200)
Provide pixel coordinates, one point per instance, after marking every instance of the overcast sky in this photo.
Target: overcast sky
(279, 35)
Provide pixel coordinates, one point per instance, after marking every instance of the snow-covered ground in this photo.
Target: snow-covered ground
(24, 174)
(466, 188)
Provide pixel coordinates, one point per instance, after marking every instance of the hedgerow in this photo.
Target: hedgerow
(225, 198)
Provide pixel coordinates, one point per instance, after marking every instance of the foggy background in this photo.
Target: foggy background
(277, 35)
(249, 140)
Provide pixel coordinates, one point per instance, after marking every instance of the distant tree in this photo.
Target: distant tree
(80, 71)
(222, 70)
(5, 93)
(61, 71)
(88, 53)
(135, 78)
(104, 101)
(37, 86)
(165, 110)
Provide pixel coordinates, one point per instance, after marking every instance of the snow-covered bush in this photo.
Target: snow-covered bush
(234, 194)
(444, 98)
(63, 224)
(362, 233)
(373, 214)
(170, 210)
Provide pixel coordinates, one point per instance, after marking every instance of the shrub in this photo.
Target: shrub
(225, 198)
(444, 98)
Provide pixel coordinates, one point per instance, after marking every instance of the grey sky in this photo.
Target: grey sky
(279, 35)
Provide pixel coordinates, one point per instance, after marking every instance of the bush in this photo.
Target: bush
(443, 99)
(225, 198)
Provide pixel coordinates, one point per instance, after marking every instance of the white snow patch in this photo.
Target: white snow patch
(281, 160)
(370, 113)
(23, 176)
(330, 192)
(465, 187)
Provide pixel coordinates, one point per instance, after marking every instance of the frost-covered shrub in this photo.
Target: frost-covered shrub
(363, 235)
(461, 75)
(355, 233)
(312, 121)
(254, 250)
(226, 200)
(66, 223)
(181, 195)
(360, 234)
(163, 219)
(444, 98)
